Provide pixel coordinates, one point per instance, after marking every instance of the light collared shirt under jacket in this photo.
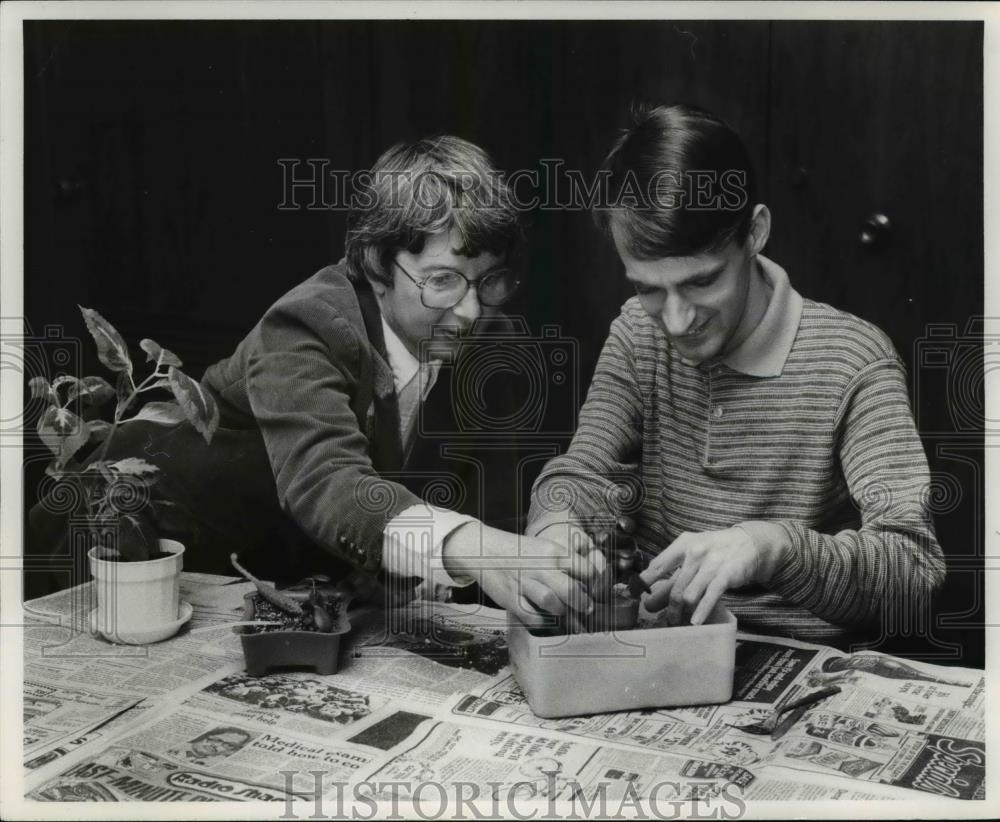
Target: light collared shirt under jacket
(806, 425)
(413, 542)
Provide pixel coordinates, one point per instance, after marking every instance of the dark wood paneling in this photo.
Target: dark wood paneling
(880, 118)
(887, 118)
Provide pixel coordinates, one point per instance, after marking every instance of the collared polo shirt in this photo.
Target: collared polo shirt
(806, 425)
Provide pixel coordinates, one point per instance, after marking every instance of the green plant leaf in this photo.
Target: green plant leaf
(158, 354)
(92, 390)
(111, 348)
(151, 348)
(63, 421)
(65, 379)
(198, 405)
(99, 430)
(63, 432)
(133, 466)
(165, 413)
(39, 388)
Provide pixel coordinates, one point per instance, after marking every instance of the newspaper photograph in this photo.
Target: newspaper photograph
(317, 706)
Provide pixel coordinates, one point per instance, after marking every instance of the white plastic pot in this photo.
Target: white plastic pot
(138, 602)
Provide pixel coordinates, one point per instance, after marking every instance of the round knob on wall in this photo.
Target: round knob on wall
(874, 230)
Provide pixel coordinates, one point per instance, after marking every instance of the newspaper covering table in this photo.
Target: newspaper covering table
(425, 697)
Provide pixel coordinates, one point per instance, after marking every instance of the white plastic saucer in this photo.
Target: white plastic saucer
(142, 636)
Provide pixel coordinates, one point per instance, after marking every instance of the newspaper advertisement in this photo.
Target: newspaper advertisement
(504, 766)
(894, 722)
(501, 762)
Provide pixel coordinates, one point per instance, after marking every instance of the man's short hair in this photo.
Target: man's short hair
(418, 189)
(680, 182)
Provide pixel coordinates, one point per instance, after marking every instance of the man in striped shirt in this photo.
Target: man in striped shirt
(763, 442)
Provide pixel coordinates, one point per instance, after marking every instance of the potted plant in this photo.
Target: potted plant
(296, 627)
(136, 574)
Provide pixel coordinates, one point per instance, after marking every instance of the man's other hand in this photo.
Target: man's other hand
(697, 569)
(528, 576)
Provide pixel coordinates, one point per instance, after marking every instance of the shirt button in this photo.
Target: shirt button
(718, 411)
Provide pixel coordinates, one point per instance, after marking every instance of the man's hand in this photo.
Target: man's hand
(564, 528)
(527, 576)
(697, 569)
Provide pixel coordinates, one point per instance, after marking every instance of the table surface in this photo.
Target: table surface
(425, 694)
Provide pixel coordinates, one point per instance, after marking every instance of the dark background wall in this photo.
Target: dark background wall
(152, 183)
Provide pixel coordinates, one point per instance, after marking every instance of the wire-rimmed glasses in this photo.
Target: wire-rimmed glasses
(446, 289)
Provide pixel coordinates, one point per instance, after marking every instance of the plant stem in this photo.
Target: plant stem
(120, 409)
(107, 440)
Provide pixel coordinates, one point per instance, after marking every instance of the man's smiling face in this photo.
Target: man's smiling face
(707, 304)
(414, 322)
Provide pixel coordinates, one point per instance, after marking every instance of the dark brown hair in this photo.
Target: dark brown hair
(418, 189)
(681, 183)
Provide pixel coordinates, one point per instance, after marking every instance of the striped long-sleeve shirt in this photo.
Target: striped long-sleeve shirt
(808, 426)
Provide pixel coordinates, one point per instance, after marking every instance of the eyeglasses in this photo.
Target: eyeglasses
(446, 289)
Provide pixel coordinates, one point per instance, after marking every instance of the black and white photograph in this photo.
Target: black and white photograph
(548, 410)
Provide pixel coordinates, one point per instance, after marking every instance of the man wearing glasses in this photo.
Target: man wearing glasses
(331, 380)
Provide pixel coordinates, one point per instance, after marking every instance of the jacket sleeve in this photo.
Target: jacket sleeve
(300, 383)
(597, 478)
(891, 567)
